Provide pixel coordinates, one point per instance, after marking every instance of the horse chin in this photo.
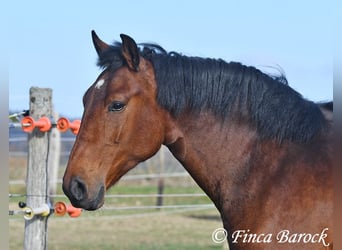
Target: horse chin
(94, 205)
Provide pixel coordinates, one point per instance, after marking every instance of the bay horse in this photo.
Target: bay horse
(258, 149)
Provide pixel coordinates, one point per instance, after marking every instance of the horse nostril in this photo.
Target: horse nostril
(78, 189)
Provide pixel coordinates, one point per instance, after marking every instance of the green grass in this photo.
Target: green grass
(160, 230)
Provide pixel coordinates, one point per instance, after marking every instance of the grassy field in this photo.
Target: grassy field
(158, 230)
(113, 228)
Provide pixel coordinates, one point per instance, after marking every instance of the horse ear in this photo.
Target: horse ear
(130, 52)
(99, 45)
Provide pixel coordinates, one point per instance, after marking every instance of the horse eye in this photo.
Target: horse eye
(116, 106)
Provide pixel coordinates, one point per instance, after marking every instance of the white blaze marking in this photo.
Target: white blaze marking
(99, 83)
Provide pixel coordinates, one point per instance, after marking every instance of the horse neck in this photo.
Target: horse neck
(214, 151)
(222, 159)
(237, 170)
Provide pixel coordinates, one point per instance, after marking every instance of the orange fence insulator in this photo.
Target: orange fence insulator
(28, 124)
(61, 209)
(63, 124)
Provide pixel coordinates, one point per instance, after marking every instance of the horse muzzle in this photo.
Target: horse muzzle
(80, 196)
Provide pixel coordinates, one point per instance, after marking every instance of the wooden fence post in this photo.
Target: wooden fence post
(37, 170)
(54, 156)
(161, 179)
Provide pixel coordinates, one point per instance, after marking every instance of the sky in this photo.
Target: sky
(49, 42)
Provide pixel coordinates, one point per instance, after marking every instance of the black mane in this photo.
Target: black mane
(228, 90)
